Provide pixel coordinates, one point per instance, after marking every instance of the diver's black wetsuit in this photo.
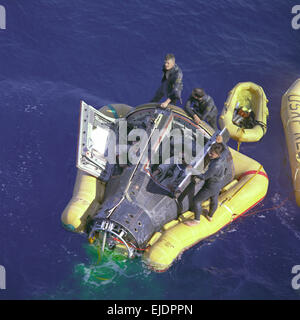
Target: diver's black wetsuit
(171, 85)
(205, 109)
(213, 183)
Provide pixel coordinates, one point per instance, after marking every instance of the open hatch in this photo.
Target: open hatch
(96, 133)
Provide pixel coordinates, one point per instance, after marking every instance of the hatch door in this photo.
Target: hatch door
(96, 132)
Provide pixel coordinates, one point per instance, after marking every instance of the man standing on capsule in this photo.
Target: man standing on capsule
(171, 83)
(213, 178)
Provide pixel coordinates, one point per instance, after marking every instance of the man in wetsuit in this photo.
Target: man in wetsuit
(213, 177)
(171, 83)
(200, 106)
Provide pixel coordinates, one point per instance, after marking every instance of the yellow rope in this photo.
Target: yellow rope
(104, 279)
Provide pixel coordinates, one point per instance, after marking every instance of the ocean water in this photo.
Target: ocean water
(54, 54)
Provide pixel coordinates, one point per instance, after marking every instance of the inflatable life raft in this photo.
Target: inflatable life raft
(247, 189)
(251, 95)
(290, 116)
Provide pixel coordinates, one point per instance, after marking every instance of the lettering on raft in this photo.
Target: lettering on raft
(294, 116)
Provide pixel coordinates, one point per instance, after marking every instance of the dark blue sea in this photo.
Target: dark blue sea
(54, 53)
